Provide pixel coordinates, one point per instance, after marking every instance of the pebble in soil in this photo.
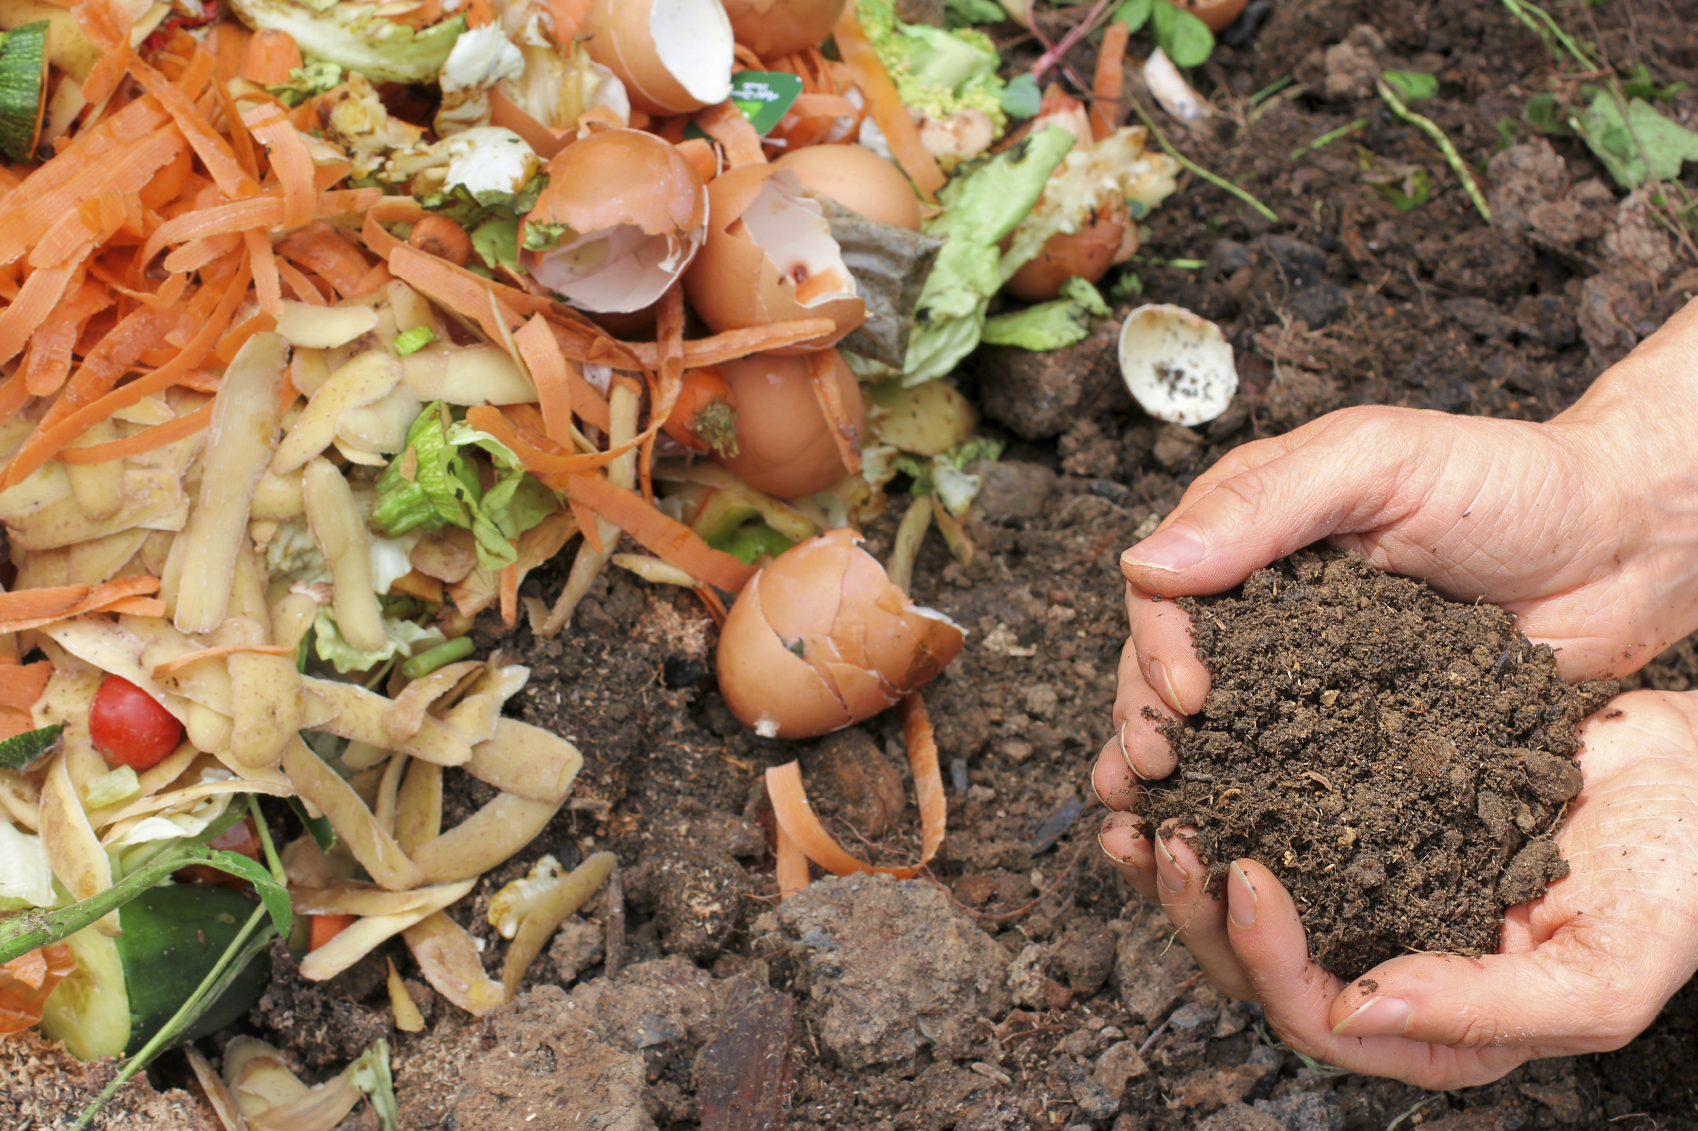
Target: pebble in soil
(1397, 759)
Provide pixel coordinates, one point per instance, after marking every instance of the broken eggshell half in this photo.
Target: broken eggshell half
(625, 213)
(819, 639)
(1177, 365)
(770, 257)
(674, 56)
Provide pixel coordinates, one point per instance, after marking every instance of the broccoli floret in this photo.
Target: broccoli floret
(939, 73)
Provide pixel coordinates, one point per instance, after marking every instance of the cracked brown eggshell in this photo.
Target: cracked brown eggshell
(637, 213)
(820, 639)
(674, 56)
(770, 257)
(784, 444)
(771, 28)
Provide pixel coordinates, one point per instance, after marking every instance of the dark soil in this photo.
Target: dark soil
(1398, 760)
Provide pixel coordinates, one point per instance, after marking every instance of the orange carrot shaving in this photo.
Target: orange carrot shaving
(823, 106)
(454, 288)
(569, 17)
(726, 124)
(270, 56)
(302, 287)
(587, 524)
(733, 344)
(40, 294)
(822, 375)
(133, 606)
(240, 140)
(32, 608)
(48, 362)
(509, 115)
(509, 593)
(178, 663)
(667, 539)
(74, 234)
(389, 210)
(318, 247)
(798, 820)
(886, 106)
(553, 376)
(290, 160)
(1107, 106)
(268, 285)
(308, 246)
(132, 338)
(326, 927)
(550, 467)
(792, 870)
(209, 145)
(231, 344)
(229, 41)
(147, 440)
(668, 381)
(14, 722)
(479, 13)
(46, 442)
(196, 254)
(22, 684)
(14, 394)
(711, 602)
(107, 25)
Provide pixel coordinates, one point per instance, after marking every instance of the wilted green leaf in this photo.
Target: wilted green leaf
(1134, 13)
(1412, 85)
(22, 749)
(1021, 98)
(1638, 146)
(1186, 39)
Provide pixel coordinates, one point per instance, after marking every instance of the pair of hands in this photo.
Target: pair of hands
(1587, 529)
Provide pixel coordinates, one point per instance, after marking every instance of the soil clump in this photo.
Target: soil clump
(1399, 760)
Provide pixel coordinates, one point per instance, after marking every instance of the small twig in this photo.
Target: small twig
(1328, 138)
(1155, 1036)
(1451, 156)
(1079, 30)
(1213, 178)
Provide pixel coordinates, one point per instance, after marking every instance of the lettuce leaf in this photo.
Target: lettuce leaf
(435, 483)
(406, 638)
(24, 872)
(1050, 325)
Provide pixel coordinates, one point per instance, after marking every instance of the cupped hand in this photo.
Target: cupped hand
(1584, 968)
(1585, 527)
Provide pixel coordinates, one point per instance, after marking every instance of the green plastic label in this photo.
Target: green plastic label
(764, 97)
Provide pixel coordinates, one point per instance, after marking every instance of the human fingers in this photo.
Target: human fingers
(1121, 838)
(1298, 995)
(1112, 779)
(1591, 988)
(1198, 918)
(1167, 659)
(1139, 715)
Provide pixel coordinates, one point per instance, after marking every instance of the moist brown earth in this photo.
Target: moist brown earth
(1019, 986)
(1399, 760)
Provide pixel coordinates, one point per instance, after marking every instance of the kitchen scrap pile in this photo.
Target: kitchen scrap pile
(327, 322)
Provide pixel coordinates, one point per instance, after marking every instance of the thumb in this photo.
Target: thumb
(1590, 988)
(1343, 475)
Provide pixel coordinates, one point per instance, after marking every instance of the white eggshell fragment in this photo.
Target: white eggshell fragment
(1172, 91)
(1177, 365)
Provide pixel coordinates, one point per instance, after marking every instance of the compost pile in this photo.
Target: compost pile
(1399, 760)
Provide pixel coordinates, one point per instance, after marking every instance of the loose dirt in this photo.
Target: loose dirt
(1399, 760)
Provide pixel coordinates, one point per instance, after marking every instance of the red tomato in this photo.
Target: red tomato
(129, 727)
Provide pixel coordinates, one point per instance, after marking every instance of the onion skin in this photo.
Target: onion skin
(1216, 13)
(1087, 253)
(771, 28)
(858, 179)
(820, 639)
(733, 284)
(784, 443)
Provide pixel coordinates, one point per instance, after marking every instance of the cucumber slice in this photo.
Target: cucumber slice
(90, 1009)
(126, 989)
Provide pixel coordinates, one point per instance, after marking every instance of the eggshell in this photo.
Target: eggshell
(637, 210)
(1177, 365)
(823, 616)
(771, 28)
(1216, 13)
(1087, 253)
(784, 443)
(763, 239)
(673, 56)
(858, 179)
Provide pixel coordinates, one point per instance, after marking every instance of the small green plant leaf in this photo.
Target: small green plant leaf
(1134, 13)
(1639, 84)
(271, 893)
(1021, 98)
(1545, 115)
(20, 750)
(1186, 39)
(319, 828)
(965, 13)
(1412, 85)
(1637, 146)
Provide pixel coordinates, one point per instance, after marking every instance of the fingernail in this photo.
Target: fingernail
(1123, 752)
(1377, 1017)
(1177, 548)
(1158, 676)
(1115, 821)
(1169, 873)
(1242, 903)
